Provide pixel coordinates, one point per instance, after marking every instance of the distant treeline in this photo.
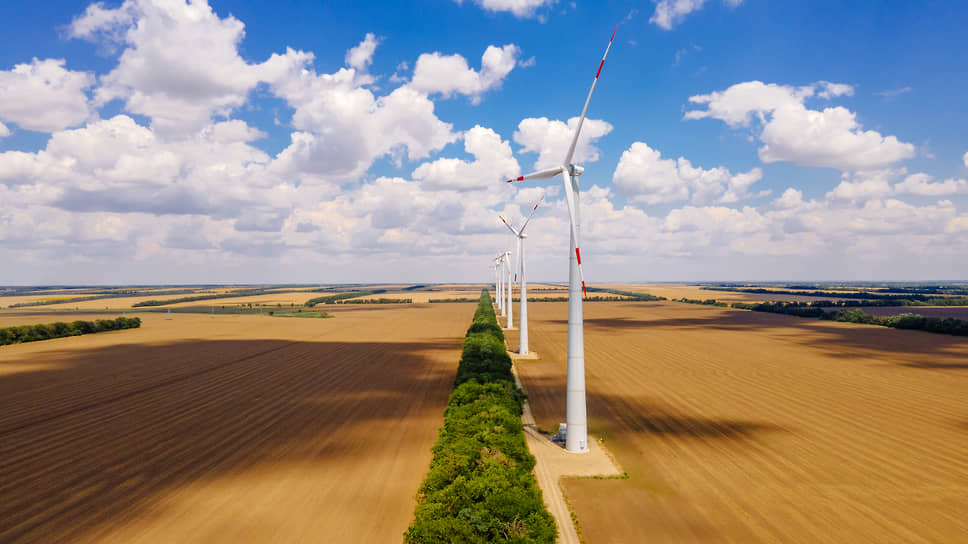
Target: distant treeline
(33, 333)
(85, 298)
(339, 297)
(948, 325)
(706, 302)
(480, 487)
(885, 288)
(197, 298)
(869, 298)
(631, 295)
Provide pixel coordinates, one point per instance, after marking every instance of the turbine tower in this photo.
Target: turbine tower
(576, 439)
(523, 319)
(499, 294)
(510, 289)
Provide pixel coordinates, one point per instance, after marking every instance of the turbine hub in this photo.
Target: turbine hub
(575, 170)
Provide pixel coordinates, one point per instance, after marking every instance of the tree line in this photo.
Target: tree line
(33, 333)
(947, 325)
(480, 487)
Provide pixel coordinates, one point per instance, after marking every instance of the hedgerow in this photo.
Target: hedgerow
(480, 487)
(33, 333)
(950, 325)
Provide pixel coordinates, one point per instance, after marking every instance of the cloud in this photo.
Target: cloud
(449, 74)
(892, 93)
(551, 138)
(44, 96)
(862, 186)
(4, 131)
(964, 159)
(921, 185)
(669, 13)
(361, 56)
(344, 128)
(789, 131)
(520, 8)
(180, 64)
(643, 174)
(493, 163)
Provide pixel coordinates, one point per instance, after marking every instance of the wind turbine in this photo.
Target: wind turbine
(523, 282)
(509, 287)
(497, 283)
(499, 267)
(576, 439)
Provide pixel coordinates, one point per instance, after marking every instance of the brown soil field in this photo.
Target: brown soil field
(226, 428)
(744, 427)
(673, 290)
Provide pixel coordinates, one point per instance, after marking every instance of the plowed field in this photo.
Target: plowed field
(226, 428)
(751, 427)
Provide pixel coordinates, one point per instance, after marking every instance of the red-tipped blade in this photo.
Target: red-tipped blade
(581, 120)
(540, 174)
(534, 209)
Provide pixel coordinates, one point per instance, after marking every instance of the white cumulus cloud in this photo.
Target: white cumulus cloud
(643, 174)
(520, 8)
(551, 138)
(449, 74)
(493, 163)
(669, 13)
(361, 56)
(180, 63)
(921, 185)
(44, 96)
(789, 131)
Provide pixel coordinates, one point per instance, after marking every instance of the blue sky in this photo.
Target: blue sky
(173, 142)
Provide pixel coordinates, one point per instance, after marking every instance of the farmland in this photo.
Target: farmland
(749, 427)
(226, 428)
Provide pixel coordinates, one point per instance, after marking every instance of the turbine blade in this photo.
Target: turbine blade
(541, 174)
(570, 199)
(508, 225)
(532, 213)
(581, 120)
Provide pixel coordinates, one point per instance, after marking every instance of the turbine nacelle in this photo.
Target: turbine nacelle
(575, 170)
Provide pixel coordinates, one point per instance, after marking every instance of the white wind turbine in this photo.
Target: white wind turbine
(497, 284)
(508, 287)
(499, 292)
(523, 282)
(576, 439)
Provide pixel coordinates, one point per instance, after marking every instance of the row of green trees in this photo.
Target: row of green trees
(32, 333)
(480, 487)
(862, 298)
(948, 325)
(339, 297)
(705, 302)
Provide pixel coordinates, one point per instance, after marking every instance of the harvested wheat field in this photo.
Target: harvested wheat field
(681, 290)
(226, 428)
(751, 427)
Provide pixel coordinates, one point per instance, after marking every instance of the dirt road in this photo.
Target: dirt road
(226, 428)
